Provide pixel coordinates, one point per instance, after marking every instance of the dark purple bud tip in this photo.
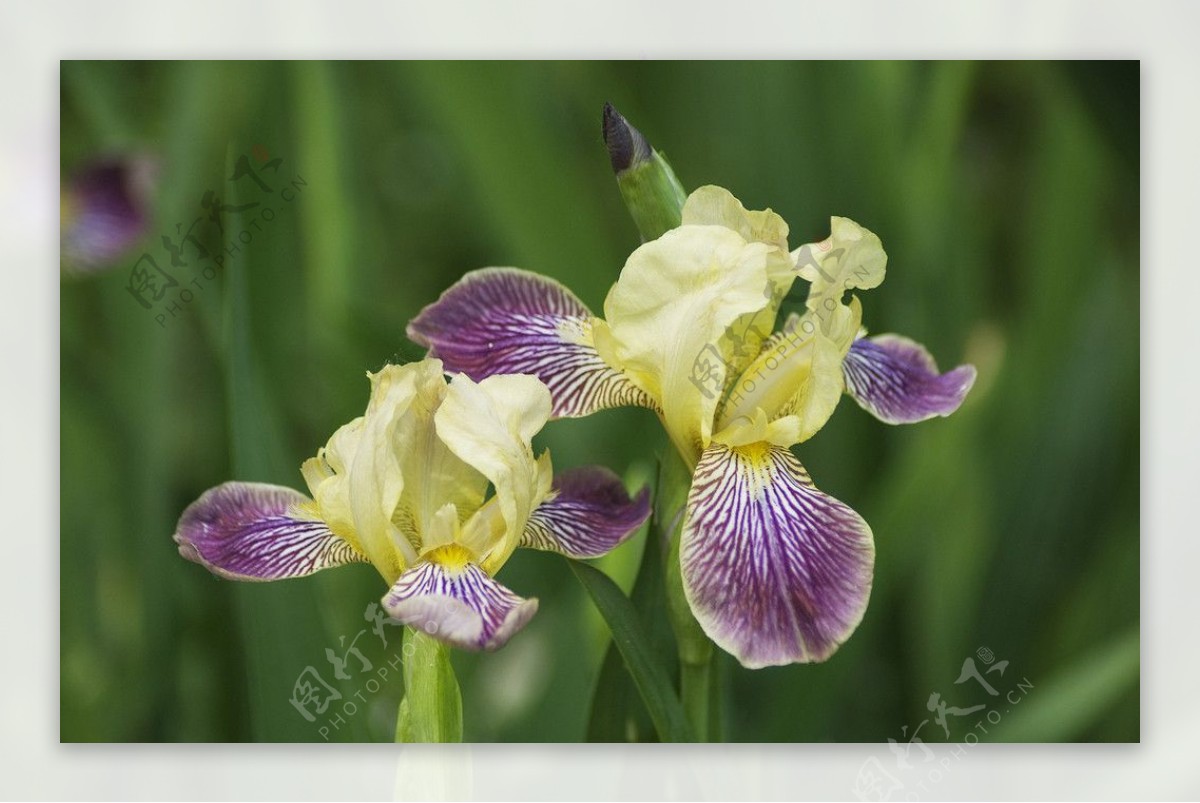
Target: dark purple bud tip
(626, 145)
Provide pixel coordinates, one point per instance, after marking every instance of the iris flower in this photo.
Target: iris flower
(774, 570)
(404, 487)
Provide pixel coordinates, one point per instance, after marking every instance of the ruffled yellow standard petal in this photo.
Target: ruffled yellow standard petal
(669, 315)
(716, 206)
(850, 258)
(794, 383)
(328, 479)
(376, 482)
(381, 480)
(490, 426)
(437, 482)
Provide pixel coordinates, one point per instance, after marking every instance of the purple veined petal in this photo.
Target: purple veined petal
(776, 572)
(459, 603)
(897, 381)
(587, 514)
(510, 321)
(252, 531)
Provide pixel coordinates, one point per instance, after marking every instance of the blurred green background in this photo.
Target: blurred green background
(1006, 195)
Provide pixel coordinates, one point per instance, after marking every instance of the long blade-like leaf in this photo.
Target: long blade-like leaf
(618, 714)
(631, 639)
(1070, 701)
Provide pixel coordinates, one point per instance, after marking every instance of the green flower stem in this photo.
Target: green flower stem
(648, 185)
(695, 692)
(695, 648)
(431, 710)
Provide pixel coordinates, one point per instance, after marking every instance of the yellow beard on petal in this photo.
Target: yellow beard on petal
(756, 467)
(755, 453)
(451, 557)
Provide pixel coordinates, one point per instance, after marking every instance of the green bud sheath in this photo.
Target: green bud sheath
(431, 710)
(648, 185)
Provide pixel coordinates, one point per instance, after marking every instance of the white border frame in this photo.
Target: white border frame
(1159, 33)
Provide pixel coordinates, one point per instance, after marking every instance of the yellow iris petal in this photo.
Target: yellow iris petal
(434, 476)
(375, 477)
(408, 478)
(796, 381)
(850, 258)
(717, 206)
(669, 315)
(490, 425)
(443, 529)
(327, 476)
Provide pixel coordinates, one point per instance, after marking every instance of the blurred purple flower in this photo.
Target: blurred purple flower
(104, 210)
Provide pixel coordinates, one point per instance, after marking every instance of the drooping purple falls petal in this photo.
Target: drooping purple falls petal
(897, 381)
(588, 514)
(459, 604)
(252, 531)
(776, 572)
(510, 321)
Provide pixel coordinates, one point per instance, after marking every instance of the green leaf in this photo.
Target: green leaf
(618, 713)
(327, 215)
(1066, 704)
(431, 710)
(630, 637)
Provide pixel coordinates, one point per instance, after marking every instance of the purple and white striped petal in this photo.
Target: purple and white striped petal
(252, 531)
(897, 381)
(510, 321)
(587, 514)
(458, 603)
(776, 572)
